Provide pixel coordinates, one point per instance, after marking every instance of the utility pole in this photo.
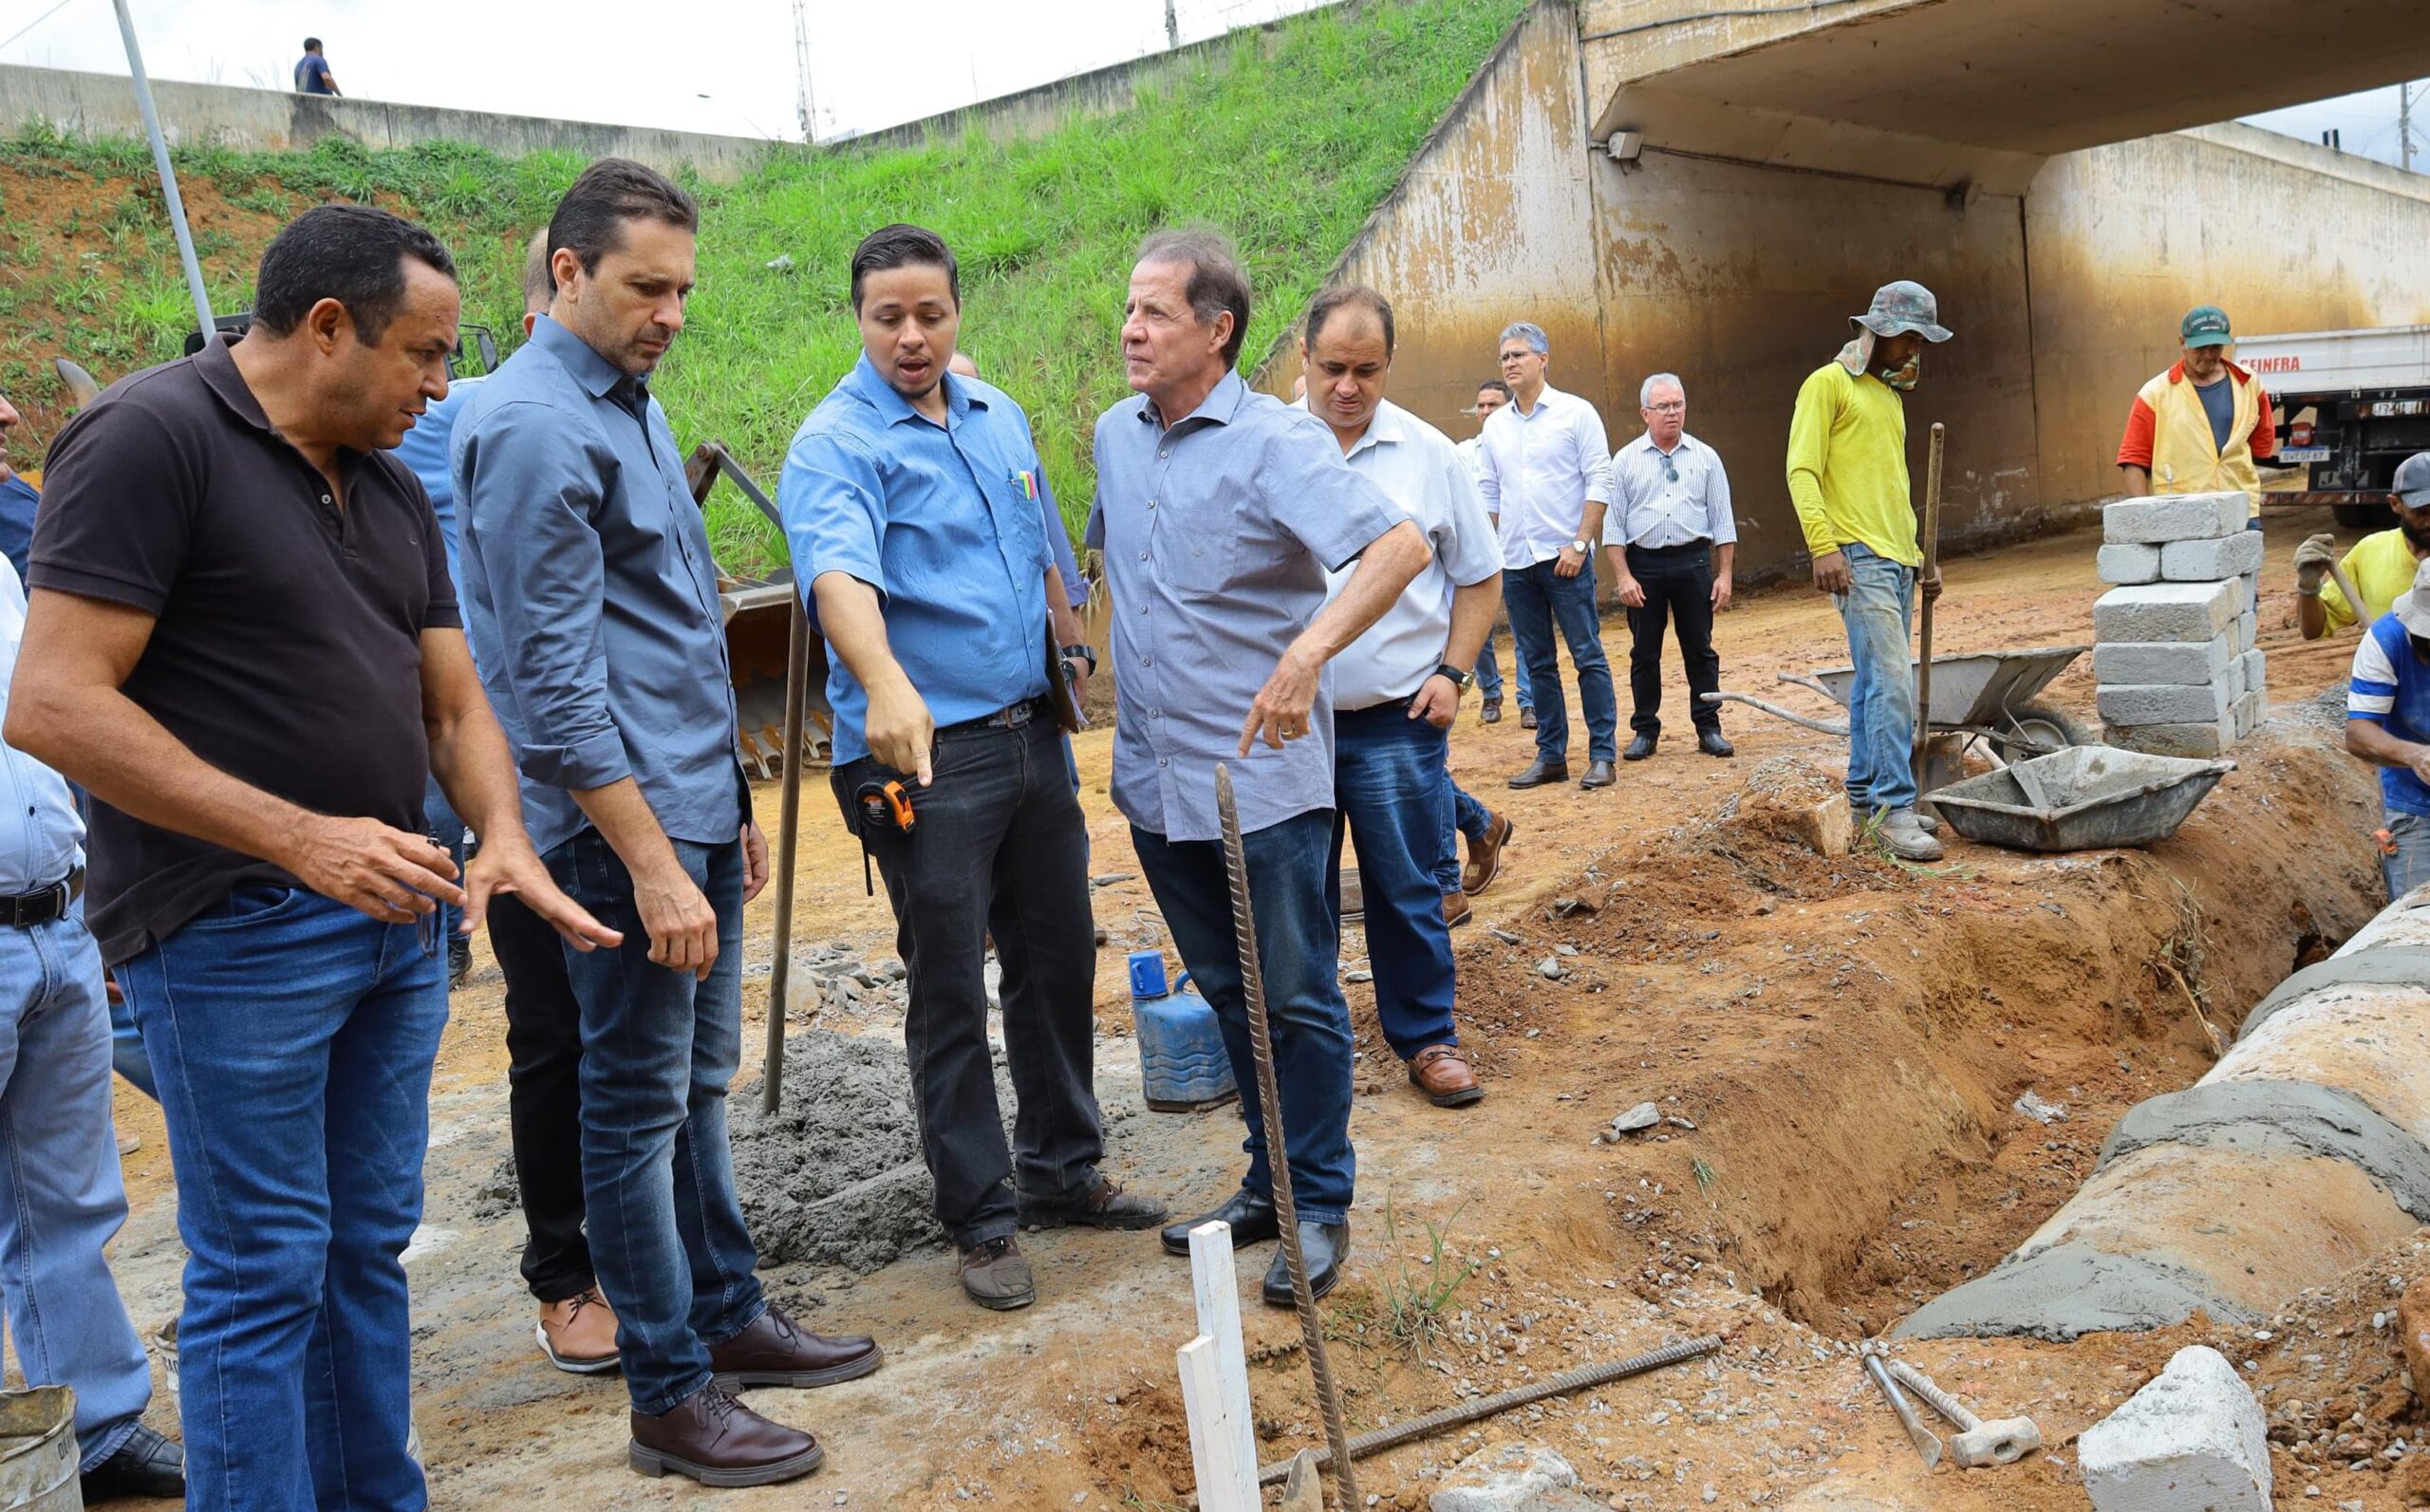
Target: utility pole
(168, 175)
(806, 99)
(2404, 124)
(1172, 25)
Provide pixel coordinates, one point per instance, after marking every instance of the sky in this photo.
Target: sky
(729, 66)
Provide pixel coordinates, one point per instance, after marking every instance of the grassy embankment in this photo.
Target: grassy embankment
(1285, 140)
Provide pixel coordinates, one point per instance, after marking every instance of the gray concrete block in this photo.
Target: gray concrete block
(2128, 564)
(2208, 738)
(2166, 611)
(2254, 667)
(2191, 1440)
(2208, 561)
(1517, 1477)
(2247, 628)
(2164, 661)
(2247, 714)
(2140, 703)
(2174, 517)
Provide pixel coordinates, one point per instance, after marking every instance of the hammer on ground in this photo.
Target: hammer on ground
(2003, 1441)
(1921, 1436)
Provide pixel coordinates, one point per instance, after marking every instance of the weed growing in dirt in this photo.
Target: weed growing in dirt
(1284, 136)
(1410, 1299)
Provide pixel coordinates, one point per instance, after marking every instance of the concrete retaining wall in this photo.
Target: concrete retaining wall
(2305, 1151)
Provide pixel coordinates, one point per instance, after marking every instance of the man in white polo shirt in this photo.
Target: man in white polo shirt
(1671, 539)
(1397, 688)
(1547, 476)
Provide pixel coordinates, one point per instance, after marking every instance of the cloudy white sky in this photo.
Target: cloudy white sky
(720, 65)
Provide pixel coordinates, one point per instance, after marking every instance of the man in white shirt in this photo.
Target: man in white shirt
(1547, 477)
(1397, 688)
(1670, 523)
(1491, 395)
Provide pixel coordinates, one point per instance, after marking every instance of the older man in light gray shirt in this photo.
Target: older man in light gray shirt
(1219, 513)
(1671, 540)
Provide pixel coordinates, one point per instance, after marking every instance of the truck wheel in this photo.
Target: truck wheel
(2360, 516)
(2038, 729)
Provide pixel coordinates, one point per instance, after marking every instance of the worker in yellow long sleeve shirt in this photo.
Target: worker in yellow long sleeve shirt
(1847, 474)
(2381, 566)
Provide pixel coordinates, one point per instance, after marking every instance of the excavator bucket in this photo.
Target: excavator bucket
(759, 620)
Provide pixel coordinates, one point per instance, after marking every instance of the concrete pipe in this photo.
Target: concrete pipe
(2304, 1152)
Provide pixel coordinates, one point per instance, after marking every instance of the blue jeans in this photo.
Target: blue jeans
(446, 831)
(1387, 782)
(1298, 945)
(293, 1039)
(127, 1049)
(1462, 815)
(1489, 673)
(1540, 600)
(667, 1236)
(1878, 609)
(60, 1196)
(2408, 867)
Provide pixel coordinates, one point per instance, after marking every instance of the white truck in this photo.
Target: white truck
(2351, 405)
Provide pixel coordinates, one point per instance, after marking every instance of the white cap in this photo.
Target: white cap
(2412, 609)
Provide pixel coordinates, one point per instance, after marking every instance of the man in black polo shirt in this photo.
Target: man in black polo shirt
(243, 644)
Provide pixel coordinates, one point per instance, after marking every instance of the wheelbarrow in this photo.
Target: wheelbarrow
(1976, 696)
(2084, 799)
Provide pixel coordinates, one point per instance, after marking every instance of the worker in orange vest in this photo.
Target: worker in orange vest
(2200, 427)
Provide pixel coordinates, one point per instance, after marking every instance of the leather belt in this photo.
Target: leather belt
(1011, 716)
(43, 906)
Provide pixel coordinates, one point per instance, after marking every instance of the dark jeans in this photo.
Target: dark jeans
(1298, 945)
(446, 831)
(1462, 815)
(544, 1097)
(657, 1047)
(1488, 672)
(1541, 599)
(1678, 581)
(293, 1039)
(1388, 781)
(999, 848)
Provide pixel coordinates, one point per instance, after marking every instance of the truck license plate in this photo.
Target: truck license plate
(2303, 454)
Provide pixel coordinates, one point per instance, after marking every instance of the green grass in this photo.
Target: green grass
(1284, 138)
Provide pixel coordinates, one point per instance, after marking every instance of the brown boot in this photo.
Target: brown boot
(1485, 855)
(717, 1441)
(997, 1275)
(774, 1351)
(1455, 910)
(579, 1334)
(1442, 1073)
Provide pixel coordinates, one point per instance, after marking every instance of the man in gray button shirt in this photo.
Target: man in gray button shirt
(595, 624)
(1219, 513)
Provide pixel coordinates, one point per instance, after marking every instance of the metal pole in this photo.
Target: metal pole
(788, 829)
(168, 174)
(2404, 123)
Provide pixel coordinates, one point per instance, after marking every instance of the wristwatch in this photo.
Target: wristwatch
(1459, 679)
(1582, 547)
(1080, 651)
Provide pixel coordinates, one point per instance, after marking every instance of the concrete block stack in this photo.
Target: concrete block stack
(2174, 653)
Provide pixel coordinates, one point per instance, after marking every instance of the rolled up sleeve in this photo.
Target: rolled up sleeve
(833, 507)
(1724, 522)
(530, 488)
(1473, 553)
(1593, 453)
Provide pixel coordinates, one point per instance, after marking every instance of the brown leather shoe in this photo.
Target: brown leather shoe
(1102, 1204)
(717, 1441)
(774, 1350)
(1442, 1072)
(1455, 910)
(579, 1334)
(996, 1275)
(1485, 856)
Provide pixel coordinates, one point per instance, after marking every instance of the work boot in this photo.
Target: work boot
(1542, 771)
(1490, 713)
(717, 1441)
(145, 1464)
(578, 1334)
(1484, 854)
(460, 960)
(1904, 837)
(1598, 775)
(1923, 821)
(1640, 747)
(1252, 1220)
(1455, 910)
(1102, 1204)
(775, 1351)
(1712, 743)
(997, 1275)
(1442, 1073)
(1527, 718)
(1322, 1247)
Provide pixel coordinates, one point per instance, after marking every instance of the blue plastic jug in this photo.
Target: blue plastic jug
(1181, 1050)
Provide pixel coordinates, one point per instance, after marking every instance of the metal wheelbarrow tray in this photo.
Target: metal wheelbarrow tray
(2086, 798)
(1984, 696)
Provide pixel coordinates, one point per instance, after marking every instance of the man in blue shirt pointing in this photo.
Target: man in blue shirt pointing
(911, 502)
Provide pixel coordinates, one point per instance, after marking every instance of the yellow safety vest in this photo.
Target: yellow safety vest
(2185, 459)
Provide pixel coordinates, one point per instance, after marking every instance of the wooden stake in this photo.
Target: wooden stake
(1227, 1481)
(1217, 1294)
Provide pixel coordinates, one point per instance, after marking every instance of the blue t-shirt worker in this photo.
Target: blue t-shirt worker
(2388, 723)
(312, 76)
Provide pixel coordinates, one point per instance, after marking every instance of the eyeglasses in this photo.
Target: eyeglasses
(1670, 471)
(1677, 407)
